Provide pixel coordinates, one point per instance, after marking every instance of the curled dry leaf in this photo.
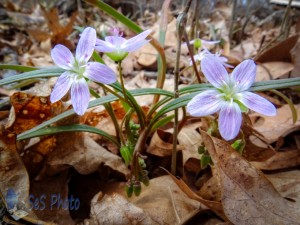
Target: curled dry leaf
(162, 202)
(161, 144)
(12, 170)
(278, 126)
(83, 153)
(115, 209)
(216, 207)
(279, 52)
(248, 197)
(29, 111)
(281, 160)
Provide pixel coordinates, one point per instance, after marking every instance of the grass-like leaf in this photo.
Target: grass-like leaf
(70, 128)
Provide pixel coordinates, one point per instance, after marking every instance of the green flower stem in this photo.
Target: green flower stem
(111, 91)
(133, 103)
(134, 27)
(122, 81)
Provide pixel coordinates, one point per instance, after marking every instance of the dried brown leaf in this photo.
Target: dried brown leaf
(281, 160)
(161, 144)
(273, 70)
(248, 196)
(287, 184)
(80, 151)
(279, 52)
(278, 126)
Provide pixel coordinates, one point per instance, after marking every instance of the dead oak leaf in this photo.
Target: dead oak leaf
(248, 197)
(277, 126)
(29, 111)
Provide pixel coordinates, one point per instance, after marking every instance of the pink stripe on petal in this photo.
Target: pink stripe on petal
(137, 41)
(86, 44)
(62, 57)
(116, 41)
(205, 103)
(230, 120)
(80, 96)
(134, 46)
(100, 73)
(214, 71)
(104, 46)
(61, 87)
(258, 104)
(244, 74)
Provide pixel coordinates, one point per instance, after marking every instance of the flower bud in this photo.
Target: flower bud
(137, 188)
(129, 189)
(198, 43)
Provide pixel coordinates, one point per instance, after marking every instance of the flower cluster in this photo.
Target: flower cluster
(78, 69)
(230, 95)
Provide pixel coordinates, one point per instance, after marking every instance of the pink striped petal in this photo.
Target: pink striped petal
(205, 103)
(100, 73)
(136, 42)
(230, 120)
(80, 96)
(214, 71)
(86, 44)
(258, 103)
(244, 74)
(62, 57)
(116, 41)
(62, 86)
(104, 46)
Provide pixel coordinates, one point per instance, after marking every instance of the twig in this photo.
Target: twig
(192, 56)
(181, 22)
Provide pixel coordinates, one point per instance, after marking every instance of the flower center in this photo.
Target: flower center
(79, 67)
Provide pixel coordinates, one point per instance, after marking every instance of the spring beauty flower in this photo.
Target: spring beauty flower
(117, 48)
(78, 70)
(230, 96)
(205, 52)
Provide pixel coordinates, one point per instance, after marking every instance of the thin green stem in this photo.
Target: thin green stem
(112, 92)
(122, 81)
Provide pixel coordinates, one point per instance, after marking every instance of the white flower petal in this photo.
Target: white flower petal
(214, 71)
(80, 96)
(100, 73)
(258, 103)
(104, 46)
(86, 44)
(62, 86)
(116, 41)
(136, 42)
(230, 120)
(205, 103)
(244, 74)
(62, 57)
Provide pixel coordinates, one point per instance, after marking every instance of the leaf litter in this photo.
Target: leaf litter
(259, 187)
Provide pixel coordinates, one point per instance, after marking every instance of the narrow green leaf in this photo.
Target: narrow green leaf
(71, 128)
(93, 103)
(161, 122)
(17, 67)
(289, 102)
(41, 73)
